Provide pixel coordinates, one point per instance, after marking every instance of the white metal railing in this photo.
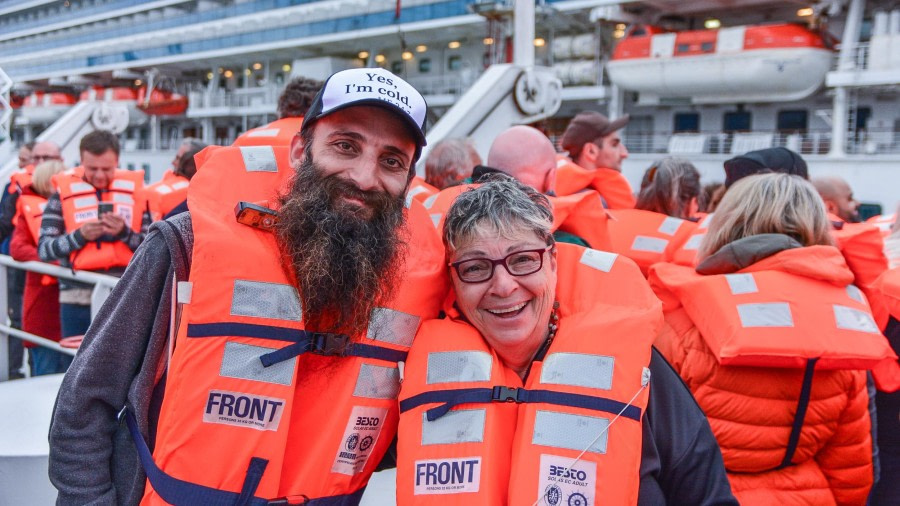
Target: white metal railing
(6, 331)
(806, 143)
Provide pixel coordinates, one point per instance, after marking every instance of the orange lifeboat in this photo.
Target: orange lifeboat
(767, 63)
(45, 107)
(116, 93)
(161, 102)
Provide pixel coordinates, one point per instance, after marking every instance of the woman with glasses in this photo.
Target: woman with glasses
(540, 385)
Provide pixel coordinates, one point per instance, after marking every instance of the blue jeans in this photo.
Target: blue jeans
(47, 361)
(74, 319)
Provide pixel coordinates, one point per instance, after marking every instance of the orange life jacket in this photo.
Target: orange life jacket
(471, 432)
(246, 408)
(80, 204)
(581, 214)
(162, 196)
(420, 190)
(883, 222)
(647, 237)
(887, 374)
(764, 317)
(20, 179)
(686, 254)
(277, 133)
(31, 206)
(609, 183)
(863, 248)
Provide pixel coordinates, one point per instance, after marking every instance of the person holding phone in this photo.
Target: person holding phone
(90, 223)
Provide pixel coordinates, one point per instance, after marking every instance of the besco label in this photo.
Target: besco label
(448, 476)
(81, 216)
(360, 436)
(243, 410)
(564, 484)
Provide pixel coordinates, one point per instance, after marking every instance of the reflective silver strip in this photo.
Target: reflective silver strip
(391, 326)
(853, 319)
(180, 185)
(264, 132)
(430, 201)
(163, 189)
(644, 243)
(670, 225)
(693, 243)
(436, 219)
(122, 184)
(705, 222)
(458, 426)
(600, 260)
(122, 198)
(265, 300)
(377, 382)
(458, 366)
(242, 361)
(574, 432)
(259, 158)
(741, 283)
(856, 294)
(81, 187)
(185, 290)
(771, 314)
(81, 202)
(577, 369)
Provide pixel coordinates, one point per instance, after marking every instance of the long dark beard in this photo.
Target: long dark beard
(346, 259)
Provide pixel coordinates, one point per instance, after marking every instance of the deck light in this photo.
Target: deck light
(286, 67)
(805, 12)
(712, 23)
(488, 41)
(407, 55)
(257, 66)
(379, 58)
(363, 55)
(248, 72)
(539, 42)
(421, 48)
(454, 44)
(229, 74)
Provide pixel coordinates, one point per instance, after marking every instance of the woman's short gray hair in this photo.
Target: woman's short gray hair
(502, 205)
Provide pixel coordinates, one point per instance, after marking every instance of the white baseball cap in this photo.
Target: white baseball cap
(371, 86)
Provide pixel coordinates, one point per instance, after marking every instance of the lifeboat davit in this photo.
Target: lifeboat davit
(768, 63)
(45, 107)
(120, 95)
(161, 102)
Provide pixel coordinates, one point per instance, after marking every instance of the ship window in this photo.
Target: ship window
(454, 62)
(862, 117)
(687, 122)
(683, 48)
(793, 120)
(707, 47)
(425, 65)
(738, 121)
(397, 67)
(639, 32)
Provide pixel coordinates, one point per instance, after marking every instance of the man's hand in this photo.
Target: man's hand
(92, 230)
(113, 224)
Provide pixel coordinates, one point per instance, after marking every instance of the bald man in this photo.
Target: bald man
(838, 197)
(526, 154)
(44, 151)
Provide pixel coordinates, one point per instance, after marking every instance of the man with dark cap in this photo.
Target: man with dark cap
(781, 160)
(252, 347)
(595, 159)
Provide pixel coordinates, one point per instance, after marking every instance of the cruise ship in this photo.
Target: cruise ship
(703, 79)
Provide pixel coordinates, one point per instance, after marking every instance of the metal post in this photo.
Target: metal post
(4, 337)
(850, 40)
(523, 33)
(839, 123)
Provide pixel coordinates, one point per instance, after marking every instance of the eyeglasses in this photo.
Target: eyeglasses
(39, 158)
(517, 263)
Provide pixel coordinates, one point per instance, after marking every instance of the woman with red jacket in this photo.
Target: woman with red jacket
(40, 305)
(772, 339)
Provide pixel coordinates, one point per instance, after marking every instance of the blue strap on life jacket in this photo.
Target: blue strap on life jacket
(456, 397)
(303, 341)
(180, 492)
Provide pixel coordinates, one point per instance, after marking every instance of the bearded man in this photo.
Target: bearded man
(290, 299)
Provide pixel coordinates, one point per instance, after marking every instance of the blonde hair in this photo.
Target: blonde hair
(768, 204)
(40, 180)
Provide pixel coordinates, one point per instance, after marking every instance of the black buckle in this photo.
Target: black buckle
(505, 394)
(328, 344)
(289, 501)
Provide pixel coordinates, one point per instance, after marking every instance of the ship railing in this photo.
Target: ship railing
(454, 84)
(103, 284)
(735, 143)
(239, 98)
(860, 56)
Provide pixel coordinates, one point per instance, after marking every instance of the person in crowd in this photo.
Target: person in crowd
(450, 162)
(838, 198)
(41, 294)
(780, 160)
(595, 155)
(886, 491)
(770, 335)
(168, 194)
(15, 278)
(710, 196)
(297, 293)
(660, 224)
(90, 223)
(293, 103)
(541, 383)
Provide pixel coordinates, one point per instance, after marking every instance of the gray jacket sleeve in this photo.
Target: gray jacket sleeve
(54, 243)
(120, 363)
